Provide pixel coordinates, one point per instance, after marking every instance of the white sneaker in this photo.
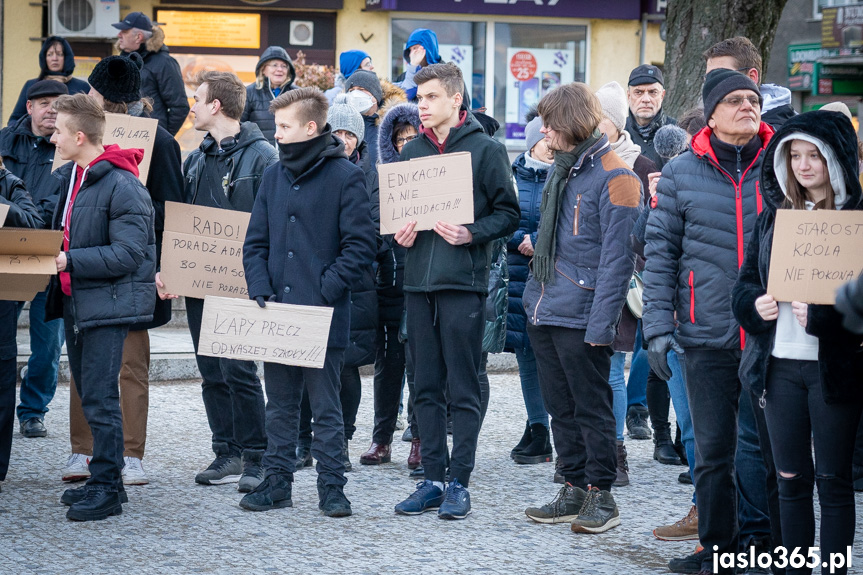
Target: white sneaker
(133, 472)
(77, 467)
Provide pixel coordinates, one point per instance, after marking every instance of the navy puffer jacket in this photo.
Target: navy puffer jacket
(530, 183)
(696, 232)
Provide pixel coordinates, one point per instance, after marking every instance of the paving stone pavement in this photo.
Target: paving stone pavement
(173, 525)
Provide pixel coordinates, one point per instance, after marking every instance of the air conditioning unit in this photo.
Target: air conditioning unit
(84, 18)
(302, 33)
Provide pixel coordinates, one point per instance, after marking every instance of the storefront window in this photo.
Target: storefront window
(531, 60)
(462, 43)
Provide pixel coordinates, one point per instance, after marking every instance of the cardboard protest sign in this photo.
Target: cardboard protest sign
(27, 261)
(4, 210)
(127, 132)
(814, 252)
(202, 251)
(279, 333)
(426, 190)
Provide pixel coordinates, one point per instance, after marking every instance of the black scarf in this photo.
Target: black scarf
(300, 156)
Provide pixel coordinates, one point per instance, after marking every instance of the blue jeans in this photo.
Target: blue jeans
(536, 412)
(618, 388)
(636, 387)
(46, 341)
(680, 401)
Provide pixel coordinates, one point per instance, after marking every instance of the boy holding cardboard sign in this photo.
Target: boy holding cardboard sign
(310, 238)
(446, 283)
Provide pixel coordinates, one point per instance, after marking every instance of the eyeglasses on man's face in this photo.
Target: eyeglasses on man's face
(737, 101)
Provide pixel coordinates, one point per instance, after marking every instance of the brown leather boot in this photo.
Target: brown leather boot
(377, 453)
(415, 457)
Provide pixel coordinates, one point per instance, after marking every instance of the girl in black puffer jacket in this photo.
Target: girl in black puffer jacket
(798, 358)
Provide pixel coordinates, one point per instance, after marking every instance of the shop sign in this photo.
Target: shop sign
(293, 4)
(532, 73)
(842, 27)
(617, 10)
(803, 65)
(211, 29)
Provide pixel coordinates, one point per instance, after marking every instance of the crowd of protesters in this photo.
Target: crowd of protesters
(619, 233)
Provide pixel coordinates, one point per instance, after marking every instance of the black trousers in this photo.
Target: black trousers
(798, 416)
(389, 374)
(232, 393)
(8, 357)
(95, 355)
(285, 385)
(573, 378)
(350, 395)
(445, 330)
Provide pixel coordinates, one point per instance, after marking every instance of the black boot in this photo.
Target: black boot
(96, 505)
(304, 456)
(622, 466)
(663, 450)
(636, 422)
(524, 442)
(678, 447)
(539, 450)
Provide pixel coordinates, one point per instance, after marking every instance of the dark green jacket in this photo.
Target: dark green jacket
(431, 263)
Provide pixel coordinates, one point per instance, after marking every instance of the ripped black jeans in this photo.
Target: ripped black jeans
(796, 417)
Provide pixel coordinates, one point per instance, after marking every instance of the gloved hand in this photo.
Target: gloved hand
(657, 354)
(263, 301)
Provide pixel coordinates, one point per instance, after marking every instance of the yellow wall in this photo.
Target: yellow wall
(615, 47)
(21, 21)
(352, 21)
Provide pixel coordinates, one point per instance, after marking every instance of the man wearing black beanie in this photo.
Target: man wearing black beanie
(115, 84)
(704, 212)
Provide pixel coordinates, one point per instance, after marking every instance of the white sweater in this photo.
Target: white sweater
(792, 341)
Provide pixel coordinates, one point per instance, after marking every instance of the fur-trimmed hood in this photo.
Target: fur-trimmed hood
(157, 40)
(404, 112)
(393, 96)
(836, 139)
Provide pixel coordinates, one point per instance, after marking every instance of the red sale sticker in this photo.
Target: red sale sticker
(523, 65)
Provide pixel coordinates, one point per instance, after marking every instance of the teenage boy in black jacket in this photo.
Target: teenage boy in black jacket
(309, 240)
(446, 283)
(225, 172)
(105, 284)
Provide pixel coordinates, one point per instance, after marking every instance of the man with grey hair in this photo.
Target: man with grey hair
(161, 80)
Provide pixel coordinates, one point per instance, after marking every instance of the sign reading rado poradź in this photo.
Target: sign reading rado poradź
(814, 252)
(202, 251)
(279, 333)
(426, 190)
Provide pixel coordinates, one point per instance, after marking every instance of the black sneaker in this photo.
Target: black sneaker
(622, 479)
(225, 468)
(562, 509)
(346, 457)
(690, 563)
(274, 492)
(558, 476)
(636, 422)
(72, 496)
(685, 478)
(417, 473)
(332, 501)
(253, 471)
(304, 456)
(33, 427)
(96, 505)
(598, 513)
(407, 436)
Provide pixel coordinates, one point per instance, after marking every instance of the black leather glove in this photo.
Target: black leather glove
(849, 302)
(657, 354)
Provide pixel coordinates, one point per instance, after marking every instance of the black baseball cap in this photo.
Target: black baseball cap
(645, 74)
(137, 20)
(44, 88)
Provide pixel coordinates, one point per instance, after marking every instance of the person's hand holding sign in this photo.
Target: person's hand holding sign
(406, 236)
(160, 287)
(454, 235)
(767, 307)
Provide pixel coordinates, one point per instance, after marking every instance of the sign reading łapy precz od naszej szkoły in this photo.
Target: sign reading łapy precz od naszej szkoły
(814, 252)
(279, 333)
(426, 190)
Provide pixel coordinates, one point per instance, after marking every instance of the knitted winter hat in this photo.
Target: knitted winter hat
(612, 98)
(343, 116)
(368, 81)
(721, 82)
(532, 135)
(118, 78)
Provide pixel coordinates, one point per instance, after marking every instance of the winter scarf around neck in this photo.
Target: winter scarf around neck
(626, 149)
(552, 196)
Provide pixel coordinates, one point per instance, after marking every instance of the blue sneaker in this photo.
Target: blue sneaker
(426, 498)
(457, 502)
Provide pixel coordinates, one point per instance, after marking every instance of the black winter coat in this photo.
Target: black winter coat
(840, 355)
(162, 81)
(74, 85)
(30, 157)
(22, 212)
(257, 108)
(311, 235)
(112, 251)
(431, 263)
(247, 160)
(646, 143)
(696, 232)
(530, 183)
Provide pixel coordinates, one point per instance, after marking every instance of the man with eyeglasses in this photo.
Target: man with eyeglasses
(645, 94)
(705, 209)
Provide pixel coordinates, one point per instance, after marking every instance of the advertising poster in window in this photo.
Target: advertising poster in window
(532, 73)
(462, 56)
